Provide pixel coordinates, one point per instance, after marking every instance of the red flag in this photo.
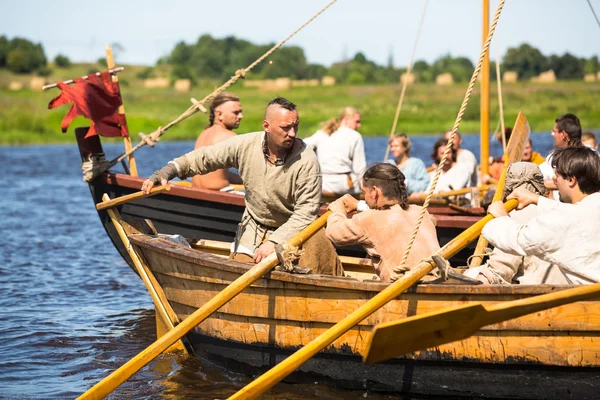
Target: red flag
(97, 99)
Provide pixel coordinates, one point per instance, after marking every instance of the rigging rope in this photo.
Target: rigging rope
(461, 112)
(199, 105)
(405, 81)
(594, 12)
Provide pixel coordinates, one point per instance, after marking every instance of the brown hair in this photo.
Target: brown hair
(582, 163)
(333, 124)
(571, 125)
(404, 139)
(390, 180)
(439, 143)
(222, 98)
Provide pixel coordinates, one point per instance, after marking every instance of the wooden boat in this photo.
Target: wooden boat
(551, 354)
(213, 215)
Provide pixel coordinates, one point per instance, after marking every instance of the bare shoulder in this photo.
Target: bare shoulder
(213, 135)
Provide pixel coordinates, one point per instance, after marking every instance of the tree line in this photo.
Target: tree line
(217, 59)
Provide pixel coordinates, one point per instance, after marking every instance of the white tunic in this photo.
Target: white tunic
(468, 159)
(548, 172)
(340, 155)
(562, 234)
(457, 177)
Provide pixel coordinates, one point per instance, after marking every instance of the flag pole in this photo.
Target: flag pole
(110, 62)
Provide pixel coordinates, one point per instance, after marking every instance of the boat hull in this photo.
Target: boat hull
(552, 353)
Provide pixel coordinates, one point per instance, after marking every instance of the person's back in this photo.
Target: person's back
(225, 115)
(341, 152)
(385, 229)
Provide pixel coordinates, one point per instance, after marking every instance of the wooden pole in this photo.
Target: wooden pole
(111, 382)
(161, 304)
(110, 62)
(131, 197)
(287, 366)
(53, 85)
(485, 97)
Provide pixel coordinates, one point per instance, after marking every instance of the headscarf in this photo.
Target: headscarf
(524, 174)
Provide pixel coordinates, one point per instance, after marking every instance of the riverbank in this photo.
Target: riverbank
(427, 108)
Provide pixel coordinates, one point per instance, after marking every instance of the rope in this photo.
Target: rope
(405, 82)
(461, 112)
(499, 81)
(594, 12)
(197, 106)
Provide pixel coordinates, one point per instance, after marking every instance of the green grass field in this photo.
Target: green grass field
(427, 108)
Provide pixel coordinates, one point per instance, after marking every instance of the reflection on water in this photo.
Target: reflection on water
(71, 310)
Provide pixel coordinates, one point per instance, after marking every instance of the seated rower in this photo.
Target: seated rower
(505, 268)
(413, 169)
(225, 116)
(283, 187)
(454, 175)
(563, 233)
(385, 229)
(464, 157)
(341, 153)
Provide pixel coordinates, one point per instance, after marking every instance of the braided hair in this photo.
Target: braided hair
(390, 180)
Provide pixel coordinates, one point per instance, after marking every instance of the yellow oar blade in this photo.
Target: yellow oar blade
(420, 332)
(428, 330)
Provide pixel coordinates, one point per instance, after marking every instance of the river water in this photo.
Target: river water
(72, 311)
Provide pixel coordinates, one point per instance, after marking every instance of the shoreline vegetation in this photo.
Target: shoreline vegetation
(427, 109)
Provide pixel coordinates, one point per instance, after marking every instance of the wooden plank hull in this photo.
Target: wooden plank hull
(552, 352)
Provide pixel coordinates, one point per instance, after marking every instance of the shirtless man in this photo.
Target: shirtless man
(225, 116)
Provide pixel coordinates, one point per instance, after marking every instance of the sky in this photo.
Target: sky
(148, 30)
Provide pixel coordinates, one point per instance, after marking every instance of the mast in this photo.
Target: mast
(484, 121)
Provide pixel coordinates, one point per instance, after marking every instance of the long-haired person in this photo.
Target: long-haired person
(384, 229)
(414, 170)
(341, 152)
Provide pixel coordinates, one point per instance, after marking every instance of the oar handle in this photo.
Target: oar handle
(117, 377)
(131, 197)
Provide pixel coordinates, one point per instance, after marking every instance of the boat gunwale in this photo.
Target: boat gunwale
(205, 259)
(445, 217)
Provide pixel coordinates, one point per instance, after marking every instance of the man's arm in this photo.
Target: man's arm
(343, 231)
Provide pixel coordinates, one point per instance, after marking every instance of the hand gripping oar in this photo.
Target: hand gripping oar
(428, 330)
(287, 366)
(514, 153)
(111, 382)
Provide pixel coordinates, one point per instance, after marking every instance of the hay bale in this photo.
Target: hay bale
(328, 81)
(409, 78)
(283, 83)
(598, 76)
(589, 78)
(510, 76)
(15, 86)
(156, 83)
(253, 83)
(37, 83)
(183, 85)
(444, 79)
(545, 77)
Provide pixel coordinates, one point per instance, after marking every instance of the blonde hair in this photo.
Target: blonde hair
(590, 136)
(404, 139)
(333, 124)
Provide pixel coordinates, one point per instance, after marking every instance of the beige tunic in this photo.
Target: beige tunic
(284, 197)
(384, 234)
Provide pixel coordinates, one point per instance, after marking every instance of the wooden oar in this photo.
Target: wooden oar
(287, 366)
(514, 153)
(161, 304)
(458, 192)
(111, 382)
(131, 197)
(428, 330)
